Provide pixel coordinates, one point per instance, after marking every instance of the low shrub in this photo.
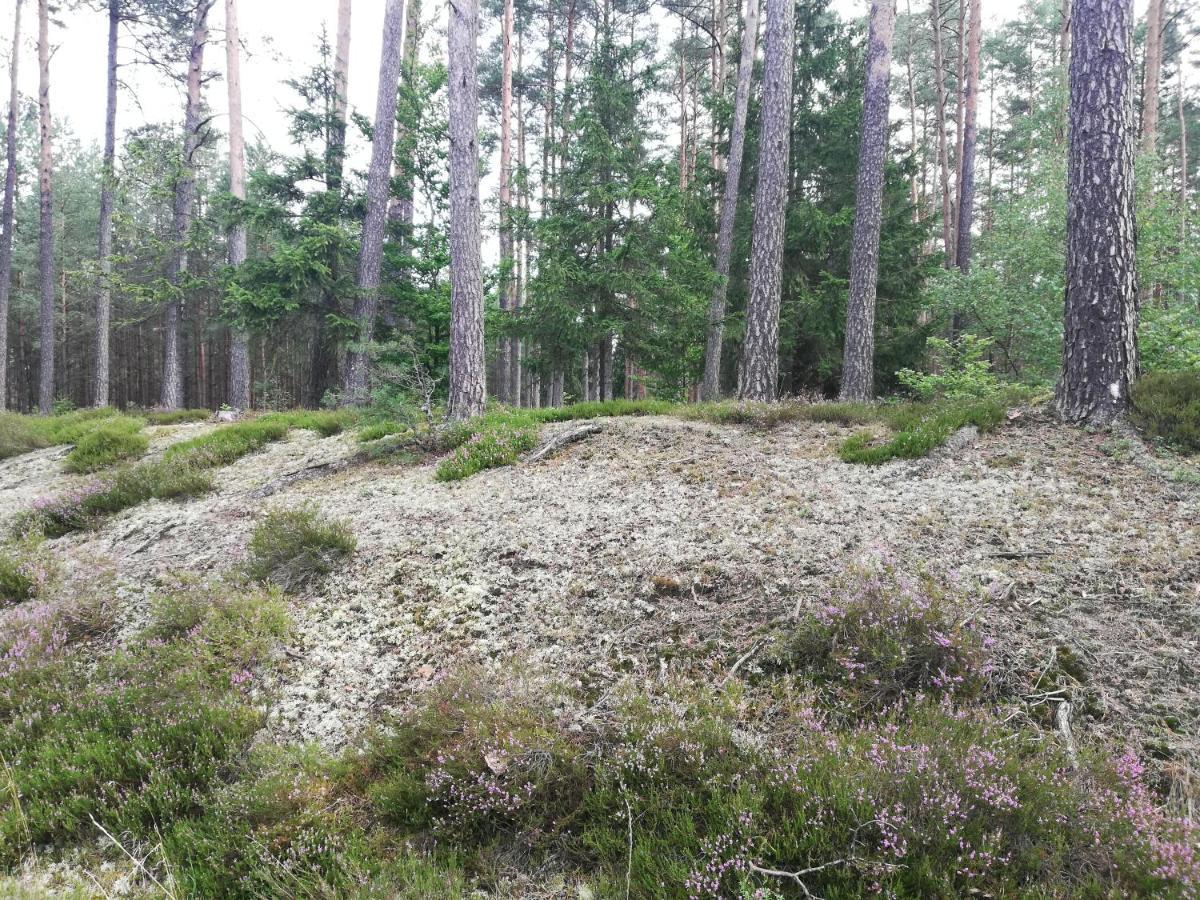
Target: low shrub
(23, 434)
(489, 447)
(918, 429)
(175, 416)
(1166, 405)
(377, 430)
(117, 440)
(26, 571)
(230, 443)
(291, 547)
(959, 370)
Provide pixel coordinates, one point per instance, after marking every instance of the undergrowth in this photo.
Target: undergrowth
(117, 440)
(291, 547)
(22, 434)
(27, 571)
(1166, 405)
(920, 428)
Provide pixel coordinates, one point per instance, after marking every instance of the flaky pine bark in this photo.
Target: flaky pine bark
(370, 258)
(943, 149)
(1154, 53)
(966, 165)
(10, 192)
(858, 362)
(758, 374)
(507, 389)
(1100, 322)
(467, 384)
(239, 341)
(46, 228)
(181, 219)
(108, 175)
(711, 389)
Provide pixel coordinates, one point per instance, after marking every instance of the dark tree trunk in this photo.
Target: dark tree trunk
(737, 142)
(370, 260)
(100, 379)
(1100, 327)
(758, 374)
(467, 385)
(46, 229)
(185, 193)
(966, 167)
(858, 365)
(239, 341)
(10, 191)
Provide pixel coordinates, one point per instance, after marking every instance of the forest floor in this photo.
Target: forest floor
(663, 545)
(658, 541)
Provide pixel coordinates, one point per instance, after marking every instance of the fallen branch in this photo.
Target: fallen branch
(1019, 554)
(1062, 721)
(795, 876)
(741, 660)
(319, 470)
(556, 444)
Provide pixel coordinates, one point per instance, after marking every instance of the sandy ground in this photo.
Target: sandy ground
(659, 543)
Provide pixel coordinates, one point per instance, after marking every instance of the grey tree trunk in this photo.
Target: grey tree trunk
(467, 384)
(966, 166)
(181, 222)
(939, 80)
(370, 259)
(711, 388)
(1100, 322)
(1154, 54)
(401, 209)
(100, 378)
(858, 362)
(239, 341)
(505, 385)
(46, 228)
(336, 148)
(6, 215)
(758, 374)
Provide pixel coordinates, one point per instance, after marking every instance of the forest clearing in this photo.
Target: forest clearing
(611, 449)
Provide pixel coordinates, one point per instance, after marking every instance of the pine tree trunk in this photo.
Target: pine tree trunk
(185, 192)
(733, 174)
(506, 387)
(370, 260)
(400, 211)
(939, 81)
(1100, 322)
(520, 242)
(336, 148)
(100, 378)
(1154, 53)
(46, 228)
(966, 171)
(858, 369)
(758, 374)
(1183, 166)
(467, 387)
(10, 191)
(239, 341)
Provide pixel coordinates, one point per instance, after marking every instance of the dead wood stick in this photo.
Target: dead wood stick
(554, 445)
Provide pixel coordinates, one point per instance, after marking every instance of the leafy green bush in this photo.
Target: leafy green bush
(1166, 405)
(291, 547)
(959, 371)
(117, 440)
(489, 448)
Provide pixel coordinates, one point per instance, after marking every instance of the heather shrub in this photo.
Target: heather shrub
(22, 434)
(175, 416)
(488, 448)
(26, 570)
(1166, 405)
(920, 428)
(118, 440)
(291, 547)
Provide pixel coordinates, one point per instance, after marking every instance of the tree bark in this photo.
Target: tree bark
(858, 365)
(100, 377)
(336, 148)
(1183, 166)
(401, 209)
(1100, 321)
(758, 374)
(46, 228)
(239, 341)
(505, 385)
(966, 169)
(733, 175)
(467, 384)
(185, 192)
(939, 81)
(10, 191)
(370, 259)
(1154, 52)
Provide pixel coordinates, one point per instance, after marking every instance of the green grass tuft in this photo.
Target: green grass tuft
(489, 447)
(176, 416)
(117, 440)
(291, 547)
(23, 434)
(920, 428)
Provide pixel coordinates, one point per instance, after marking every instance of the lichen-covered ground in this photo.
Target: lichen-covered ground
(660, 543)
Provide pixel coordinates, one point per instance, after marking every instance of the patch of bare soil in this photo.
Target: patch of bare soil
(659, 544)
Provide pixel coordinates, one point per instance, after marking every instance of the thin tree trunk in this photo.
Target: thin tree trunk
(520, 240)
(914, 188)
(467, 384)
(100, 380)
(959, 112)
(505, 385)
(858, 366)
(939, 80)
(401, 209)
(239, 340)
(733, 175)
(10, 191)
(966, 171)
(185, 191)
(758, 374)
(1100, 321)
(1183, 166)
(46, 229)
(1154, 51)
(370, 259)
(341, 104)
